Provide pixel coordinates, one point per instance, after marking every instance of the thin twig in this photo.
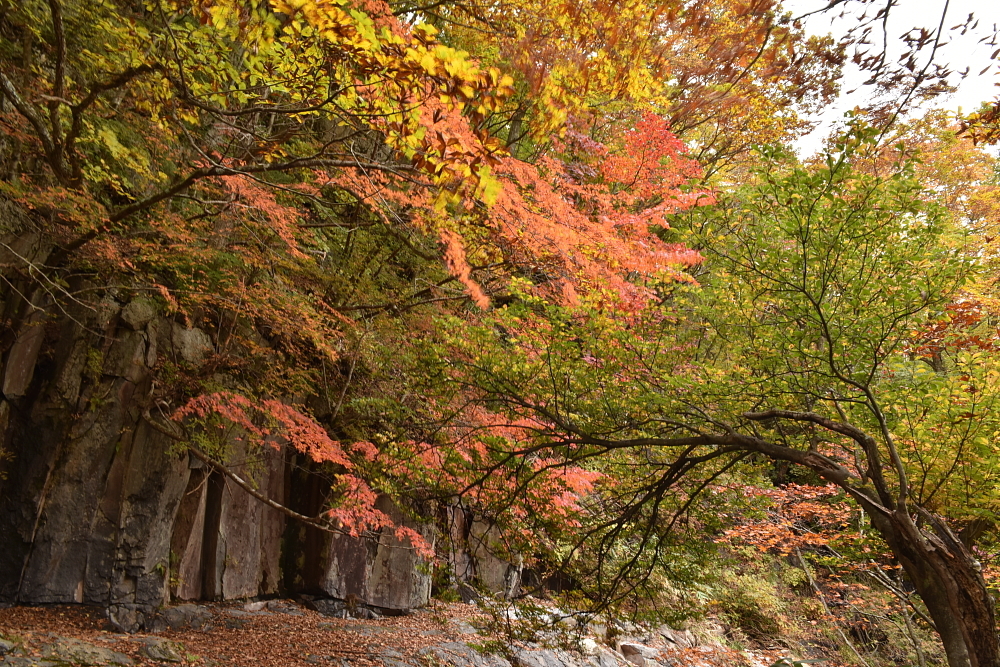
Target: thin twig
(822, 599)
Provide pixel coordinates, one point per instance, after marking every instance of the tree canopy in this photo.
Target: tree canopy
(554, 263)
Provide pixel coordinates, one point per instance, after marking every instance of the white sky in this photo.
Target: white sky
(959, 52)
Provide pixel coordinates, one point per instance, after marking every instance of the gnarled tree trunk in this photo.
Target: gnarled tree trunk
(948, 579)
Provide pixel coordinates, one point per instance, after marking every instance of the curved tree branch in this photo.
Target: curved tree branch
(171, 432)
(866, 442)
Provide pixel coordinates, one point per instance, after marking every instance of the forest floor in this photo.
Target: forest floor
(282, 633)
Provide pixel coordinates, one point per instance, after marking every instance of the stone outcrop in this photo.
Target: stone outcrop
(99, 505)
(477, 554)
(382, 570)
(89, 487)
(461, 654)
(161, 650)
(225, 543)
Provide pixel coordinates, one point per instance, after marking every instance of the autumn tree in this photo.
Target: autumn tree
(295, 177)
(794, 348)
(313, 176)
(720, 72)
(222, 159)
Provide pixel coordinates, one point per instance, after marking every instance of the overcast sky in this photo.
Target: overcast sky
(959, 52)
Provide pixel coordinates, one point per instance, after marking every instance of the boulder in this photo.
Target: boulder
(191, 345)
(383, 572)
(161, 650)
(342, 609)
(81, 653)
(457, 654)
(639, 654)
(138, 313)
(544, 657)
(131, 618)
(678, 638)
(187, 616)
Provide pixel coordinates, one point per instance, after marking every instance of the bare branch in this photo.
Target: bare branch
(837, 427)
(866, 442)
(172, 433)
(217, 170)
(59, 77)
(31, 115)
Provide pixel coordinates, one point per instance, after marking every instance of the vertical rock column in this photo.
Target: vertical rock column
(226, 543)
(380, 570)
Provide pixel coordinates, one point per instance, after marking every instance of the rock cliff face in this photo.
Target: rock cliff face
(99, 506)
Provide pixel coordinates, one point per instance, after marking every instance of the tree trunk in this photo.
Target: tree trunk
(948, 579)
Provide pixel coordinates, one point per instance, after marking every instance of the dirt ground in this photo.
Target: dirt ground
(281, 636)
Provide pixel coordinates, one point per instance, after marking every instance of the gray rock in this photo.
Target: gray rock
(70, 377)
(227, 541)
(88, 507)
(23, 661)
(328, 607)
(385, 573)
(23, 354)
(468, 594)
(107, 309)
(285, 607)
(187, 540)
(679, 638)
(458, 654)
(193, 345)
(545, 657)
(462, 627)
(393, 658)
(187, 616)
(239, 613)
(127, 356)
(139, 312)
(341, 609)
(161, 650)
(130, 618)
(81, 653)
(99, 507)
(111, 488)
(6, 647)
(604, 657)
(493, 571)
(638, 654)
(158, 332)
(477, 556)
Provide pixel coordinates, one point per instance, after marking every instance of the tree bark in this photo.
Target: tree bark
(949, 581)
